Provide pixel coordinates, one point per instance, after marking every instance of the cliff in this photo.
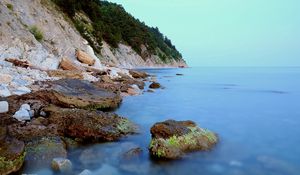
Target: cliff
(42, 32)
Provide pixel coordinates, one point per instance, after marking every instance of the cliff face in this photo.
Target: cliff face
(21, 22)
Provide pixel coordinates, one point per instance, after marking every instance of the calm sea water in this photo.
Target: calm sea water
(255, 111)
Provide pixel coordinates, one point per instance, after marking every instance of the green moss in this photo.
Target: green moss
(173, 141)
(125, 126)
(38, 34)
(8, 166)
(10, 6)
(160, 153)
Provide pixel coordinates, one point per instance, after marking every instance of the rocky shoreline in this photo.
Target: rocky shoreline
(45, 112)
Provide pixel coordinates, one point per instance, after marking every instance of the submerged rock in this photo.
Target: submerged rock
(11, 155)
(154, 85)
(89, 125)
(86, 172)
(41, 151)
(61, 164)
(171, 139)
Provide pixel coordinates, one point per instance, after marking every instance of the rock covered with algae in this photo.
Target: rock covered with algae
(171, 139)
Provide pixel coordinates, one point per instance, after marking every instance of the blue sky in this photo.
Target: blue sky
(226, 32)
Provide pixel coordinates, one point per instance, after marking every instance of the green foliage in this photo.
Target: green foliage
(113, 24)
(38, 34)
(173, 141)
(10, 7)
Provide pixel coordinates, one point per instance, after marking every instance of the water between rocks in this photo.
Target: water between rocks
(255, 111)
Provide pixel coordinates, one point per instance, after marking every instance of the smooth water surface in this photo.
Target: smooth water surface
(255, 111)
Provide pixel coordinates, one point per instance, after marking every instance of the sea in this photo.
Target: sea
(254, 110)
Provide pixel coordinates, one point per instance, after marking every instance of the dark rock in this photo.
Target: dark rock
(138, 74)
(89, 125)
(11, 155)
(154, 85)
(171, 139)
(179, 74)
(41, 151)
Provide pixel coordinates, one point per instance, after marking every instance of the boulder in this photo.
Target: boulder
(61, 164)
(138, 74)
(89, 125)
(68, 64)
(12, 155)
(72, 74)
(134, 90)
(154, 85)
(85, 58)
(171, 139)
(4, 106)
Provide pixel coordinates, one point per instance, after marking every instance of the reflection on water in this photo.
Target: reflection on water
(255, 111)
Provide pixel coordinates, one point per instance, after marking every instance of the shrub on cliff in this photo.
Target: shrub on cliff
(113, 24)
(37, 33)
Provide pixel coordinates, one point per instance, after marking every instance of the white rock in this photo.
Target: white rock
(25, 107)
(3, 107)
(61, 164)
(5, 78)
(22, 90)
(22, 115)
(4, 92)
(86, 172)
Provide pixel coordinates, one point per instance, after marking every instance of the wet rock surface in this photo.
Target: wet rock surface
(12, 153)
(172, 139)
(89, 125)
(41, 151)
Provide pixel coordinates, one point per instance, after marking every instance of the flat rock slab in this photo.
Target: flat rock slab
(171, 139)
(68, 93)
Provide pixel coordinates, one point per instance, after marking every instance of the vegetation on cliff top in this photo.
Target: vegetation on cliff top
(111, 23)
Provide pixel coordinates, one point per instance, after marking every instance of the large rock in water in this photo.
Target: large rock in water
(89, 125)
(171, 139)
(12, 153)
(70, 93)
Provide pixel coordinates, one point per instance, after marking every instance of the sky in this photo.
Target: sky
(226, 32)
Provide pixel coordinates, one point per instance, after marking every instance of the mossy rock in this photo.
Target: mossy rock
(12, 154)
(89, 125)
(41, 151)
(172, 139)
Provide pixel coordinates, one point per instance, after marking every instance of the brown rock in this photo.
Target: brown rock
(66, 74)
(89, 125)
(138, 74)
(154, 85)
(85, 58)
(67, 64)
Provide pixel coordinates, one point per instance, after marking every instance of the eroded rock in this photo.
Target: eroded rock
(138, 74)
(171, 139)
(89, 125)
(85, 58)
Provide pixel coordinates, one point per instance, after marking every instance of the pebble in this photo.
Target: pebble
(3, 106)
